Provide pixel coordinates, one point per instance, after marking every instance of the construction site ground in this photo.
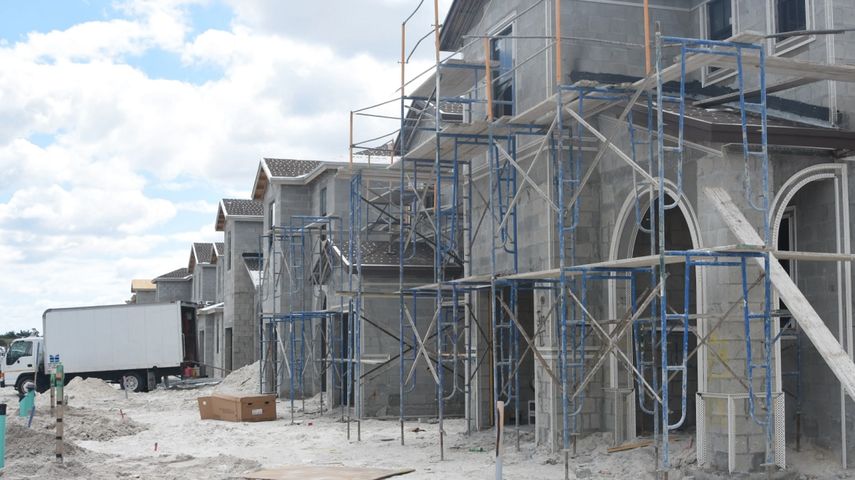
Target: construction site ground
(158, 435)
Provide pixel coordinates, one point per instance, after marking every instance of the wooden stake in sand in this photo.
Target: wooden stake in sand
(52, 398)
(59, 383)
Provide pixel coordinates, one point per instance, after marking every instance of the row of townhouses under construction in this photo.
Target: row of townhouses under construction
(603, 216)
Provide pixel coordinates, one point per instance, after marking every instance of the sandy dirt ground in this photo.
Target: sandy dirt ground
(110, 436)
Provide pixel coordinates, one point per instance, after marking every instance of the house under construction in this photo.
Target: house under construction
(629, 217)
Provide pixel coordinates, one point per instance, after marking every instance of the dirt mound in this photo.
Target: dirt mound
(31, 443)
(81, 424)
(89, 389)
(83, 391)
(241, 381)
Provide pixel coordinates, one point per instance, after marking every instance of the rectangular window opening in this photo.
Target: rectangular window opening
(790, 15)
(720, 19)
(501, 53)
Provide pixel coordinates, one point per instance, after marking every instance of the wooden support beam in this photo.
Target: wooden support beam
(647, 61)
(808, 319)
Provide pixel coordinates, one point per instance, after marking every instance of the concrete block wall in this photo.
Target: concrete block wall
(204, 281)
(173, 291)
(206, 336)
(239, 309)
(147, 296)
(219, 278)
(722, 289)
(618, 22)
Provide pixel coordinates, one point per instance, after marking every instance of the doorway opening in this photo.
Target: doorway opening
(677, 237)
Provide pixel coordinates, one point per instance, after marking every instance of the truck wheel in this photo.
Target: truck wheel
(19, 384)
(134, 382)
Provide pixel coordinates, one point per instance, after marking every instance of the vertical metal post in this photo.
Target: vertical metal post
(559, 75)
(663, 428)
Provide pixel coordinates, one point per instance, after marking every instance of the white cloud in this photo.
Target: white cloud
(77, 216)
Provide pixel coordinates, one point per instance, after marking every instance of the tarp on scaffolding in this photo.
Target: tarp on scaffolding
(808, 319)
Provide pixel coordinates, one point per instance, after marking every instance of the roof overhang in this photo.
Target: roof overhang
(220, 224)
(704, 131)
(215, 308)
(461, 17)
(701, 130)
(177, 279)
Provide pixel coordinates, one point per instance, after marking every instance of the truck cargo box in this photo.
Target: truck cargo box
(115, 337)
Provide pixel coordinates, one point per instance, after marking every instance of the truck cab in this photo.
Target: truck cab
(23, 362)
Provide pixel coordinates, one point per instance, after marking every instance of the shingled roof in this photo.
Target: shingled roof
(289, 167)
(242, 207)
(288, 171)
(238, 207)
(204, 252)
(200, 253)
(385, 254)
(177, 274)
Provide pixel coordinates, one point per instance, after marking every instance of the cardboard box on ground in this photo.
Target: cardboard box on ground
(238, 408)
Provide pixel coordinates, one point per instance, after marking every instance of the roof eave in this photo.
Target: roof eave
(258, 188)
(220, 224)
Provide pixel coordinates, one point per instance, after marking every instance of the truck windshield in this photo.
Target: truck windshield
(17, 350)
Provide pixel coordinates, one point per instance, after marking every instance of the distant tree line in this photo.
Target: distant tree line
(11, 335)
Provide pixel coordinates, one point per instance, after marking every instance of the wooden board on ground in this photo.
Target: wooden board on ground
(809, 320)
(310, 472)
(631, 446)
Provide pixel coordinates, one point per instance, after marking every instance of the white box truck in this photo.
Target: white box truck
(140, 343)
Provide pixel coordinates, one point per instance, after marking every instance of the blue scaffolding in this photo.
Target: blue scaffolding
(433, 205)
(755, 153)
(303, 262)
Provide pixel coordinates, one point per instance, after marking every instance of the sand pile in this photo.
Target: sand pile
(81, 424)
(241, 381)
(90, 389)
(32, 443)
(84, 424)
(83, 391)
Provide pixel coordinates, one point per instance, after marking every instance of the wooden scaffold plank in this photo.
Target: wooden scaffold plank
(800, 308)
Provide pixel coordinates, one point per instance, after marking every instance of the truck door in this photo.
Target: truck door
(20, 356)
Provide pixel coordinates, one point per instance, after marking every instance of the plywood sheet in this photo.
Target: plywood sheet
(312, 472)
(809, 320)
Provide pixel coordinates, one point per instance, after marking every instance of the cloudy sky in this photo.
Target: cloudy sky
(123, 122)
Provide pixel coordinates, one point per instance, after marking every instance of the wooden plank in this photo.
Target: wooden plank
(311, 472)
(809, 320)
(790, 67)
(630, 446)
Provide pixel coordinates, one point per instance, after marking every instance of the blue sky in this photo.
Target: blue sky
(125, 121)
